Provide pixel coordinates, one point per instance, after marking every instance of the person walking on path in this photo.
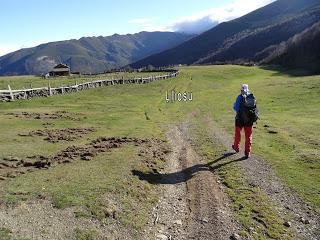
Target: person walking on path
(247, 114)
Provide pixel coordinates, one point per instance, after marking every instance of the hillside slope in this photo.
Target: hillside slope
(232, 40)
(89, 54)
(248, 45)
(300, 51)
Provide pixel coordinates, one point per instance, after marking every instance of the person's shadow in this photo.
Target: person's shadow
(185, 174)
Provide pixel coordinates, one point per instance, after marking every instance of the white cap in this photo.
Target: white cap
(244, 88)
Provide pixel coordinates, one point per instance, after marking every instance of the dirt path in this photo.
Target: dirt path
(262, 175)
(192, 206)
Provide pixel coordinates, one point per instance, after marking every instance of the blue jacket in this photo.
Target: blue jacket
(237, 103)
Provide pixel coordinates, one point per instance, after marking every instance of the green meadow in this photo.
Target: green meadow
(289, 107)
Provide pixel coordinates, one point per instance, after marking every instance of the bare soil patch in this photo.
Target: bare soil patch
(55, 115)
(56, 135)
(40, 220)
(12, 166)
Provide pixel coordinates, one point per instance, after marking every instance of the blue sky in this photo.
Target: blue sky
(27, 23)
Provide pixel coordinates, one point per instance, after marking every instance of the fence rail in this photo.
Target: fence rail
(11, 95)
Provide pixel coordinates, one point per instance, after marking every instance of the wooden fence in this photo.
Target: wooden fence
(11, 95)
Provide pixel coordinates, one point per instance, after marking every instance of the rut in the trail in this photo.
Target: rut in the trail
(193, 206)
(262, 175)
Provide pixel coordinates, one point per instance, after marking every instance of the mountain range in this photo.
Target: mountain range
(89, 54)
(300, 51)
(249, 38)
(285, 32)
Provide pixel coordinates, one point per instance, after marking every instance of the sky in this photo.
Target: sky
(28, 23)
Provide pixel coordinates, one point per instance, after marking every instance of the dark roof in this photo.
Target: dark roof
(60, 65)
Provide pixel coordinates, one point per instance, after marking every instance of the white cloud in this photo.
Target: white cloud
(204, 20)
(147, 24)
(192, 25)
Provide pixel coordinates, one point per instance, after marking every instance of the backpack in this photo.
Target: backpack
(249, 112)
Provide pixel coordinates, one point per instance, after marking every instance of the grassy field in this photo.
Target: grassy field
(289, 106)
(29, 81)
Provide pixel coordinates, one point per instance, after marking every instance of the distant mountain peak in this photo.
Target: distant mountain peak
(89, 54)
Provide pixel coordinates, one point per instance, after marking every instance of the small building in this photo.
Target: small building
(60, 70)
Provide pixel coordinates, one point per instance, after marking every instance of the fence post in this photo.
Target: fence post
(11, 94)
(49, 89)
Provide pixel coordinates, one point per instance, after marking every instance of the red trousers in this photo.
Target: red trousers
(248, 136)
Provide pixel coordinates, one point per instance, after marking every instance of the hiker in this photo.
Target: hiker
(247, 114)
